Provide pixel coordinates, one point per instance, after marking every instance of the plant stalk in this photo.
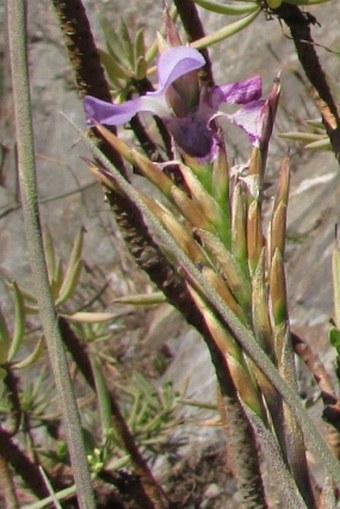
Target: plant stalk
(28, 187)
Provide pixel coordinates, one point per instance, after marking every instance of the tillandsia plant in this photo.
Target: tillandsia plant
(204, 242)
(214, 216)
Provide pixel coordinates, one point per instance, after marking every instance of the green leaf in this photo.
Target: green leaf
(114, 47)
(334, 338)
(299, 136)
(56, 279)
(70, 283)
(73, 270)
(227, 9)
(226, 31)
(19, 321)
(113, 68)
(141, 299)
(322, 144)
(140, 68)
(336, 283)
(4, 339)
(49, 253)
(103, 399)
(33, 357)
(139, 44)
(90, 317)
(127, 44)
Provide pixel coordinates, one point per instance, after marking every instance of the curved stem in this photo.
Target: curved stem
(27, 176)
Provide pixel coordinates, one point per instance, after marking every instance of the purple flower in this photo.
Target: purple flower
(187, 113)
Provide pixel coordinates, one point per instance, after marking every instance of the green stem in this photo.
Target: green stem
(28, 186)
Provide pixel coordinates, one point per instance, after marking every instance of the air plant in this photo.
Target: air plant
(215, 217)
(201, 238)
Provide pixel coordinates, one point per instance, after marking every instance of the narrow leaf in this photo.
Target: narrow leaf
(49, 253)
(103, 399)
(141, 299)
(229, 267)
(139, 44)
(4, 339)
(126, 42)
(227, 9)
(73, 270)
(113, 68)
(94, 317)
(226, 31)
(19, 321)
(277, 290)
(70, 283)
(238, 228)
(32, 357)
(254, 235)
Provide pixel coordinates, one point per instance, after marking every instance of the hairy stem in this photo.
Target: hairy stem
(85, 61)
(7, 485)
(11, 383)
(299, 24)
(28, 187)
(22, 465)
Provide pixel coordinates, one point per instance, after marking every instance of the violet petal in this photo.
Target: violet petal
(174, 63)
(192, 134)
(249, 118)
(117, 114)
(240, 92)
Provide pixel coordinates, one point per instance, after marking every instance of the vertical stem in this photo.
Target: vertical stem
(85, 61)
(299, 24)
(28, 186)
